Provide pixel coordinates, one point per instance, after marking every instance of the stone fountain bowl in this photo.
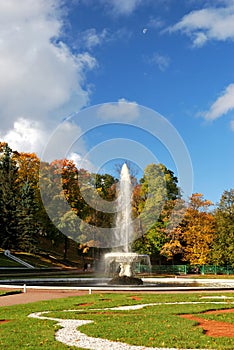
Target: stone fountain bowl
(122, 257)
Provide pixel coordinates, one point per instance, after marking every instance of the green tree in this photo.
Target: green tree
(158, 187)
(171, 183)
(9, 190)
(106, 186)
(223, 245)
(28, 225)
(153, 193)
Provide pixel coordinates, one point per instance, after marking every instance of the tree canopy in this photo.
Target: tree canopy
(32, 192)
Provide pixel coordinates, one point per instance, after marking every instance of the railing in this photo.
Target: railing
(217, 270)
(169, 269)
(24, 263)
(193, 269)
(141, 268)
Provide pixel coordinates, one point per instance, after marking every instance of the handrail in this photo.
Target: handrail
(9, 255)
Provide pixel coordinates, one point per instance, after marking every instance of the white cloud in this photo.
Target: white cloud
(60, 142)
(223, 104)
(200, 39)
(41, 79)
(81, 162)
(207, 24)
(155, 23)
(91, 38)
(122, 7)
(123, 110)
(25, 135)
(31, 136)
(162, 61)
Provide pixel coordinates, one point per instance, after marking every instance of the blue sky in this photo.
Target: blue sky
(174, 57)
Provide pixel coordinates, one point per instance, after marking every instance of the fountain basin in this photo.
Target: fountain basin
(127, 257)
(102, 284)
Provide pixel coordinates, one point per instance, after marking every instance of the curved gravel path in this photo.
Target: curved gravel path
(71, 336)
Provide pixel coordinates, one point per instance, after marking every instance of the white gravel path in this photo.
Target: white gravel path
(70, 335)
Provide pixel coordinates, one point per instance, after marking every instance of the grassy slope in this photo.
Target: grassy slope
(6, 262)
(50, 255)
(37, 260)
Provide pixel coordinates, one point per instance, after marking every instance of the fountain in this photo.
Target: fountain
(121, 264)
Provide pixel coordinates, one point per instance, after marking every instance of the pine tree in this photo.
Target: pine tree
(8, 197)
(28, 226)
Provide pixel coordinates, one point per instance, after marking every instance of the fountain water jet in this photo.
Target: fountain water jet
(123, 233)
(122, 262)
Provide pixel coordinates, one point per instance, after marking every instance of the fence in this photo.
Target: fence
(217, 270)
(169, 269)
(187, 269)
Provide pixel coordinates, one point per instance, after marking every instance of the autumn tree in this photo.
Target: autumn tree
(173, 214)
(104, 185)
(68, 195)
(70, 185)
(28, 168)
(99, 190)
(197, 230)
(54, 200)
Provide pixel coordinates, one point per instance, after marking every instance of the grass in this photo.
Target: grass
(30, 258)
(43, 259)
(9, 292)
(33, 259)
(152, 326)
(45, 274)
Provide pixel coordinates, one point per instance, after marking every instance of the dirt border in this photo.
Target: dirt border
(213, 328)
(33, 295)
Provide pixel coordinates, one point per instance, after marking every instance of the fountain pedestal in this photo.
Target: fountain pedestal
(121, 266)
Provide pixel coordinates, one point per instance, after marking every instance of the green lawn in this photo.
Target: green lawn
(151, 326)
(2, 292)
